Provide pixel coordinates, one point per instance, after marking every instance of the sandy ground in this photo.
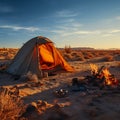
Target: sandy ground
(92, 105)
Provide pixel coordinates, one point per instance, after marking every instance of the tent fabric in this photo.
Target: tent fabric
(36, 56)
(46, 56)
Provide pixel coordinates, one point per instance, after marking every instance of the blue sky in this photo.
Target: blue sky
(78, 23)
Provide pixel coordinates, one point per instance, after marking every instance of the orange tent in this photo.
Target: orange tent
(36, 56)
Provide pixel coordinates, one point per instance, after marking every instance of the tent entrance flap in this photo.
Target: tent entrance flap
(46, 57)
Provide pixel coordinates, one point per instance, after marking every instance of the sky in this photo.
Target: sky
(78, 23)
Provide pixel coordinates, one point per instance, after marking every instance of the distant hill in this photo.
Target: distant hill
(80, 48)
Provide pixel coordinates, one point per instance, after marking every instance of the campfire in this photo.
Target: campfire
(102, 77)
(99, 78)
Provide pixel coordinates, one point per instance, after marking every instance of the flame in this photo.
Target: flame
(109, 78)
(107, 75)
(94, 69)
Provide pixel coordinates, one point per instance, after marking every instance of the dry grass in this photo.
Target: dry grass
(109, 58)
(67, 49)
(80, 55)
(11, 106)
(118, 65)
(8, 53)
(68, 57)
(74, 56)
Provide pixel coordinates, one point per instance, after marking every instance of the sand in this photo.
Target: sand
(43, 104)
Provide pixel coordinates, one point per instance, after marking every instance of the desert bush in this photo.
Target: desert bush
(118, 65)
(68, 57)
(79, 58)
(74, 53)
(74, 56)
(117, 52)
(88, 55)
(109, 58)
(95, 54)
(68, 49)
(81, 55)
(8, 53)
(91, 55)
(11, 106)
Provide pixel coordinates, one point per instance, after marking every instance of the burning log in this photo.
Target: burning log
(109, 78)
(101, 77)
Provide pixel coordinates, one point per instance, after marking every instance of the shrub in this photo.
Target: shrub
(11, 106)
(68, 49)
(109, 58)
(88, 55)
(68, 57)
(118, 65)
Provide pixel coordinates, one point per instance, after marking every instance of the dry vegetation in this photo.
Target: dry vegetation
(7, 53)
(11, 106)
(70, 54)
(85, 54)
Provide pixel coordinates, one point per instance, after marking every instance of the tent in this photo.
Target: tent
(37, 56)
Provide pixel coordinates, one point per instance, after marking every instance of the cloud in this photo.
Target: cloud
(118, 17)
(66, 14)
(66, 20)
(76, 30)
(72, 27)
(114, 31)
(87, 32)
(107, 35)
(67, 25)
(16, 28)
